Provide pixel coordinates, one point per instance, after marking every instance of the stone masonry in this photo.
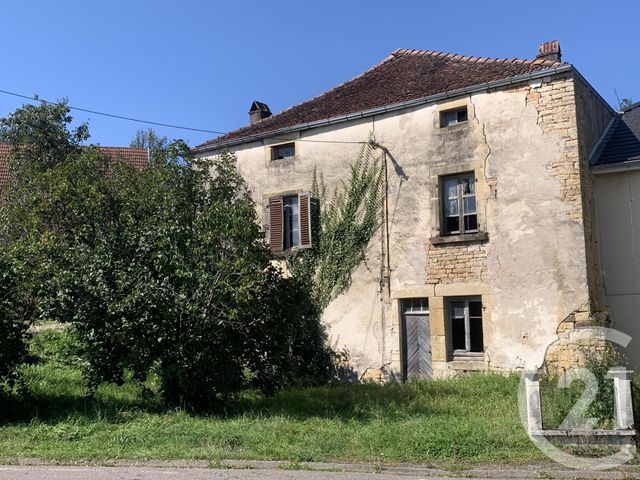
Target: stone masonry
(563, 109)
(457, 263)
(531, 265)
(556, 106)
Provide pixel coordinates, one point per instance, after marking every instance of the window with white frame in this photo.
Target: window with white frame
(465, 325)
(459, 214)
(453, 117)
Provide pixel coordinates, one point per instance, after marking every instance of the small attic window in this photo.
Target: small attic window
(286, 150)
(453, 117)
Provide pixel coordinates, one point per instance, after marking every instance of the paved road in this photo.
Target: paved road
(146, 472)
(161, 473)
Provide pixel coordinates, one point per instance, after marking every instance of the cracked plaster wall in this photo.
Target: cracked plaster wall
(532, 271)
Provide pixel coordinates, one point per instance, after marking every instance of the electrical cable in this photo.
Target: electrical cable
(168, 125)
(121, 117)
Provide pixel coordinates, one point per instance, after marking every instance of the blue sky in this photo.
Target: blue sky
(201, 63)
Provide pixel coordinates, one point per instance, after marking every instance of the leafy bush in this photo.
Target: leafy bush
(165, 270)
(16, 311)
(600, 364)
(557, 401)
(57, 347)
(173, 275)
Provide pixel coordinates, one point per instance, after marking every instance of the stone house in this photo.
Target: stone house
(487, 246)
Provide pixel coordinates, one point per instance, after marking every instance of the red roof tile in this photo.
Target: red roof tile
(404, 75)
(137, 157)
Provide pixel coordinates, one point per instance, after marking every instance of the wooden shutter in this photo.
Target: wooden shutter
(304, 205)
(276, 224)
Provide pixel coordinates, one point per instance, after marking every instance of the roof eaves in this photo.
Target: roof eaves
(387, 108)
(618, 167)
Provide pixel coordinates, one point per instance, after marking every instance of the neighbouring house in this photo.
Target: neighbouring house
(616, 172)
(487, 247)
(137, 157)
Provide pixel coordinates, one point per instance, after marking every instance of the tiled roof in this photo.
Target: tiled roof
(138, 157)
(404, 75)
(621, 142)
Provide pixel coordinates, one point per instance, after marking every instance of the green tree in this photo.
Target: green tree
(16, 310)
(40, 136)
(166, 270)
(41, 139)
(150, 139)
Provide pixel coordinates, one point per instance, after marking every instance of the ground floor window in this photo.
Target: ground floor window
(465, 325)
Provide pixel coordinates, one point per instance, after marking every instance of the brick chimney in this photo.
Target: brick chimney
(550, 51)
(258, 111)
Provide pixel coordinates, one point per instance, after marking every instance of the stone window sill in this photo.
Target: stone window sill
(466, 238)
(468, 362)
(463, 355)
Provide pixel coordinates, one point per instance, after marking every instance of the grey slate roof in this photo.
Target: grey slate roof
(621, 142)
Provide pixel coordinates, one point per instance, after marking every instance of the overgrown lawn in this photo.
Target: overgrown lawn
(473, 418)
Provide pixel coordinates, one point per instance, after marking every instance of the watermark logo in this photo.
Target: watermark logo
(578, 428)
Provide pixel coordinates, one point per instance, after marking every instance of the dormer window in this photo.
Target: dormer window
(453, 117)
(286, 150)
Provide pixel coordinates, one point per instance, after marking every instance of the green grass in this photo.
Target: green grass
(472, 418)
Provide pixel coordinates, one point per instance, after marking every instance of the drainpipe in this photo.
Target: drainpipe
(386, 262)
(387, 272)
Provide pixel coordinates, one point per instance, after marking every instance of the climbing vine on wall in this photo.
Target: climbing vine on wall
(343, 224)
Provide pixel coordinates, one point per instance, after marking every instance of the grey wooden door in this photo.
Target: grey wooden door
(416, 339)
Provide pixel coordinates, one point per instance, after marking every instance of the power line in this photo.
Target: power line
(121, 117)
